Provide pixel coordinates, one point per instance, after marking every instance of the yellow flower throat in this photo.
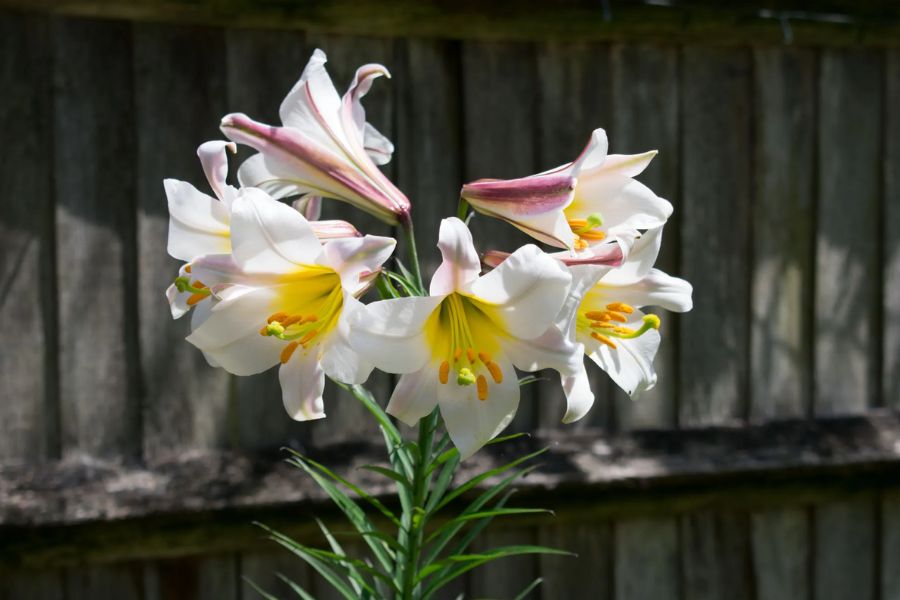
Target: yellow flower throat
(461, 333)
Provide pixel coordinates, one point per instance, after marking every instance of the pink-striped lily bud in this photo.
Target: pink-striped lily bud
(608, 255)
(334, 230)
(533, 204)
(324, 147)
(590, 202)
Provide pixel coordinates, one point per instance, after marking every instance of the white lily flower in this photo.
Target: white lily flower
(608, 322)
(458, 347)
(325, 146)
(592, 201)
(281, 296)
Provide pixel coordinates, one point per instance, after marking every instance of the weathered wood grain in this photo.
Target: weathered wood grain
(646, 559)
(575, 98)
(499, 114)
(31, 584)
(347, 418)
(715, 192)
(180, 93)
(211, 577)
(847, 300)
(845, 550)
(716, 559)
(781, 553)
(645, 117)
(264, 568)
(94, 157)
(262, 68)
(505, 577)
(123, 581)
(890, 370)
(590, 574)
(29, 410)
(781, 294)
(890, 545)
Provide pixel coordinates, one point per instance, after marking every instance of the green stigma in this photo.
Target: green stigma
(465, 376)
(275, 328)
(594, 220)
(182, 284)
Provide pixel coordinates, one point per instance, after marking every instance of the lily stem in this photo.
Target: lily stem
(410, 237)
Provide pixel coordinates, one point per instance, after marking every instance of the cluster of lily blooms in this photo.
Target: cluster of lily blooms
(268, 283)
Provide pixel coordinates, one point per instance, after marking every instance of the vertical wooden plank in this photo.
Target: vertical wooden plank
(645, 80)
(588, 575)
(180, 98)
(715, 229)
(262, 67)
(575, 98)
(646, 559)
(781, 554)
(105, 582)
(506, 577)
(847, 262)
(845, 536)
(30, 584)
(428, 146)
(347, 419)
(499, 113)
(193, 578)
(716, 560)
(890, 370)
(781, 300)
(94, 166)
(263, 568)
(29, 411)
(890, 545)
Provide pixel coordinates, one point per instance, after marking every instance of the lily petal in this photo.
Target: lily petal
(339, 360)
(310, 206)
(471, 422)
(630, 165)
(630, 364)
(302, 385)
(655, 289)
(415, 395)
(214, 160)
(460, 266)
(352, 256)
(579, 397)
(198, 224)
(334, 229)
(269, 236)
(376, 145)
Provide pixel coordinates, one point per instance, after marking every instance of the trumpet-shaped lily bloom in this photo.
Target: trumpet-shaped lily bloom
(458, 348)
(592, 201)
(325, 146)
(283, 297)
(608, 322)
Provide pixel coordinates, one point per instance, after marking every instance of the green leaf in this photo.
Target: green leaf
(407, 286)
(320, 566)
(385, 290)
(408, 275)
(295, 588)
(488, 514)
(258, 589)
(354, 575)
(442, 483)
(529, 589)
(389, 473)
(529, 379)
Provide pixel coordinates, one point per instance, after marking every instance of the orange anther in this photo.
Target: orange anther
(310, 319)
(187, 268)
(309, 335)
(264, 331)
(457, 354)
(195, 298)
(481, 384)
(580, 244)
(616, 316)
(593, 235)
(199, 285)
(620, 307)
(485, 357)
(577, 223)
(601, 325)
(604, 340)
(471, 354)
(596, 315)
(291, 320)
(276, 317)
(496, 373)
(288, 351)
(444, 372)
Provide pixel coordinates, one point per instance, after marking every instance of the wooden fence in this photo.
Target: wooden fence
(764, 465)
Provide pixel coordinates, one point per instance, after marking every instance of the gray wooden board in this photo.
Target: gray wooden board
(264, 568)
(646, 559)
(588, 575)
(781, 553)
(94, 148)
(847, 300)
(504, 578)
(645, 117)
(180, 97)
(29, 409)
(29, 584)
(845, 550)
(575, 98)
(119, 581)
(715, 193)
(781, 294)
(890, 546)
(499, 113)
(262, 67)
(213, 577)
(716, 556)
(891, 308)
(347, 418)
